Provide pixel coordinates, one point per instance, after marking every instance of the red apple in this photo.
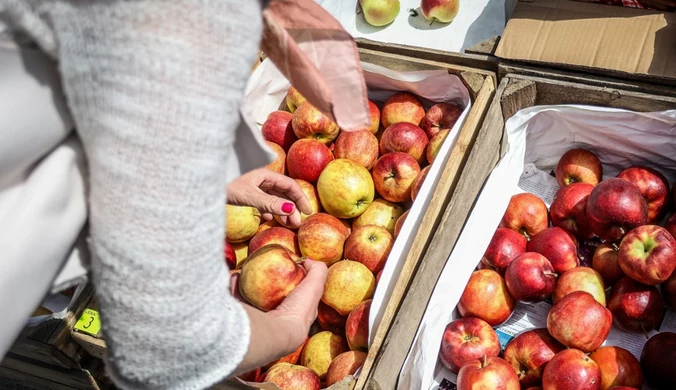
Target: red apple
(568, 210)
(277, 128)
(605, 263)
(402, 107)
(486, 297)
(530, 278)
(291, 358)
(657, 360)
(580, 279)
(270, 262)
(394, 175)
(529, 353)
(292, 377)
(467, 339)
(526, 214)
(230, 256)
(359, 146)
(374, 113)
(557, 246)
(400, 223)
(487, 373)
(419, 180)
(369, 245)
(579, 321)
(615, 206)
(275, 235)
(635, 306)
(579, 166)
(329, 319)
(654, 188)
(294, 99)
(404, 137)
(357, 327)
(618, 367)
(307, 158)
(309, 122)
(647, 254)
(571, 369)
(321, 237)
(670, 225)
(435, 145)
(251, 376)
(505, 246)
(443, 11)
(345, 364)
(669, 290)
(440, 117)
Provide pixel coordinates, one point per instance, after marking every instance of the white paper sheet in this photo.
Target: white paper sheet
(476, 21)
(537, 137)
(265, 93)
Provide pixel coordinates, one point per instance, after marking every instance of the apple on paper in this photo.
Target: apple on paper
(558, 246)
(359, 146)
(487, 373)
(277, 129)
(579, 321)
(294, 99)
(618, 367)
(657, 360)
(345, 188)
(571, 369)
(309, 122)
(443, 11)
(569, 210)
(647, 254)
(402, 107)
(440, 117)
(654, 188)
(322, 237)
(306, 159)
(530, 278)
(636, 307)
(404, 137)
(579, 166)
(486, 297)
(526, 214)
(580, 279)
(614, 207)
(467, 339)
(380, 13)
(393, 176)
(529, 352)
(505, 246)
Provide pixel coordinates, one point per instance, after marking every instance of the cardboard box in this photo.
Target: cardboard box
(616, 41)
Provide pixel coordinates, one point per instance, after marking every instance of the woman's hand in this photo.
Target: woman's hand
(272, 194)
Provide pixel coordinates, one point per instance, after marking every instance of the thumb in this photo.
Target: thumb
(302, 302)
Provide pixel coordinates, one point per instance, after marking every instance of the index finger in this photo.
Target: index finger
(290, 189)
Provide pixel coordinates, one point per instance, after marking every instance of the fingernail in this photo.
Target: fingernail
(287, 207)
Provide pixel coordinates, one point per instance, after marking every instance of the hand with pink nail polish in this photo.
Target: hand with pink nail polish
(272, 194)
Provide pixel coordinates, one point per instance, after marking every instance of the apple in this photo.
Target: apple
(358, 146)
(669, 290)
(530, 278)
(579, 321)
(311, 194)
(419, 180)
(294, 99)
(270, 261)
(322, 237)
(647, 254)
(605, 263)
(279, 164)
(434, 145)
(636, 307)
(320, 350)
(348, 283)
(579, 166)
(580, 279)
(487, 373)
(374, 114)
(268, 225)
(369, 245)
(357, 327)
(307, 158)
(486, 297)
(251, 376)
(345, 364)
(440, 117)
(529, 353)
(670, 225)
(242, 223)
(654, 188)
(402, 107)
(467, 339)
(329, 319)
(657, 360)
(291, 358)
(571, 369)
(404, 137)
(443, 11)
(379, 12)
(309, 122)
(275, 235)
(400, 223)
(345, 188)
(277, 129)
(618, 367)
(230, 256)
(557, 246)
(614, 207)
(380, 213)
(526, 214)
(393, 176)
(569, 210)
(241, 253)
(505, 246)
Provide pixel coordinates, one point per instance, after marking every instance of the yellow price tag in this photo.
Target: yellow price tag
(89, 322)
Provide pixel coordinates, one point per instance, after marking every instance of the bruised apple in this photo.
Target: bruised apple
(369, 245)
(242, 223)
(359, 146)
(580, 279)
(557, 246)
(393, 176)
(579, 321)
(345, 188)
(579, 166)
(322, 237)
(440, 117)
(275, 235)
(647, 254)
(309, 122)
(529, 353)
(614, 207)
(345, 364)
(271, 262)
(404, 137)
(505, 246)
(526, 214)
(618, 367)
(571, 369)
(277, 129)
(486, 297)
(569, 210)
(348, 283)
(320, 350)
(467, 339)
(654, 188)
(357, 327)
(487, 373)
(380, 213)
(402, 107)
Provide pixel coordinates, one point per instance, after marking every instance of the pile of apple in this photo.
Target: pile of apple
(529, 261)
(351, 230)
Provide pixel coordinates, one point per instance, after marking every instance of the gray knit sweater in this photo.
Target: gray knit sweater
(154, 88)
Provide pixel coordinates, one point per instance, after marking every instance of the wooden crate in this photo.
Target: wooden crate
(514, 93)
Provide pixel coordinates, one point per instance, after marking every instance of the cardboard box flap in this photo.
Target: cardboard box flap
(593, 36)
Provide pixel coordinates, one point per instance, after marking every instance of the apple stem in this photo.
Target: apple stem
(359, 11)
(485, 362)
(259, 124)
(432, 22)
(644, 331)
(615, 247)
(547, 273)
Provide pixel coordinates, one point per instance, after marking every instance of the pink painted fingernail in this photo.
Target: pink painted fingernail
(287, 207)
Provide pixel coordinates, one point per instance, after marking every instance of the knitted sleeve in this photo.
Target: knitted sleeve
(154, 88)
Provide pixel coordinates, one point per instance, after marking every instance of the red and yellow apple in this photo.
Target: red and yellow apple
(530, 278)
(279, 164)
(320, 350)
(374, 114)
(434, 145)
(357, 327)
(487, 373)
(242, 223)
(345, 188)
(579, 321)
(486, 297)
(580, 279)
(526, 214)
(618, 367)
(558, 246)
(605, 263)
(402, 107)
(348, 284)
(345, 364)
(467, 339)
(277, 129)
(443, 11)
(404, 137)
(505, 246)
(647, 254)
(369, 245)
(309, 122)
(571, 369)
(322, 237)
(379, 13)
(579, 166)
(307, 158)
(293, 377)
(311, 194)
(440, 117)
(529, 353)
(359, 146)
(393, 176)
(275, 235)
(380, 213)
